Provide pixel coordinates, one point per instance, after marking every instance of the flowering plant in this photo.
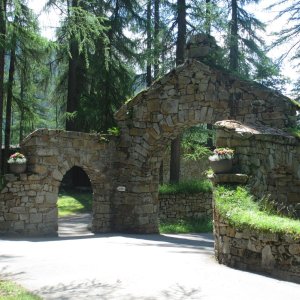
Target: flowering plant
(17, 158)
(222, 153)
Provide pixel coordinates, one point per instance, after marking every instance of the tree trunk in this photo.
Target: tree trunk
(149, 67)
(73, 84)
(175, 160)
(2, 63)
(9, 102)
(180, 47)
(73, 93)
(21, 132)
(234, 50)
(208, 17)
(210, 142)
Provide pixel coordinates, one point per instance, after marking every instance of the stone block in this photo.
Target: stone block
(11, 216)
(57, 175)
(50, 216)
(268, 260)
(169, 107)
(18, 210)
(294, 249)
(36, 218)
(51, 198)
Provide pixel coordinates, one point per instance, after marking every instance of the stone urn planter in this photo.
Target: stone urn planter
(221, 166)
(17, 168)
(221, 161)
(17, 163)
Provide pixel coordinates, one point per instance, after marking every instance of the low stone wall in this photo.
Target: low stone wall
(181, 206)
(274, 254)
(270, 157)
(28, 205)
(189, 169)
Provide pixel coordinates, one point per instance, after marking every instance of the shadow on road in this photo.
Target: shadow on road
(103, 291)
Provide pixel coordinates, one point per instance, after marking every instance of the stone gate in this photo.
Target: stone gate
(28, 202)
(191, 94)
(124, 170)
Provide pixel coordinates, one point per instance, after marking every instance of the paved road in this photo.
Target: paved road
(132, 267)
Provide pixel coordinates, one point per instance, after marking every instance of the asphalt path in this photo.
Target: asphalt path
(80, 265)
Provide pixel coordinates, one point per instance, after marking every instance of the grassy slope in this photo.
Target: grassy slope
(237, 205)
(72, 202)
(11, 291)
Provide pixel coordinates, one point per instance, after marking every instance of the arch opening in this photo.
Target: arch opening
(75, 200)
(197, 142)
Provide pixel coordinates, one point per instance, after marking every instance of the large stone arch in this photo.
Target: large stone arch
(190, 94)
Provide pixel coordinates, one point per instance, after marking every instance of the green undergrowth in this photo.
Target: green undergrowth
(295, 131)
(12, 291)
(187, 226)
(239, 208)
(186, 187)
(72, 202)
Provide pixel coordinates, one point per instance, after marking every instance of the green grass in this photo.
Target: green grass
(72, 202)
(238, 207)
(11, 291)
(186, 187)
(187, 226)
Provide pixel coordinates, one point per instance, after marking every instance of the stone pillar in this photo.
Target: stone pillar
(136, 198)
(201, 46)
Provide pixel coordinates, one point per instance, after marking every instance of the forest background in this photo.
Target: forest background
(105, 51)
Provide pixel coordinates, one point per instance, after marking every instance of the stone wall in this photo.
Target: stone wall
(274, 254)
(189, 169)
(124, 171)
(181, 206)
(191, 94)
(272, 159)
(28, 202)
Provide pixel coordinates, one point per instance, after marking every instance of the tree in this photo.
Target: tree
(156, 37)
(246, 47)
(149, 44)
(180, 47)
(289, 35)
(9, 98)
(24, 46)
(105, 61)
(2, 63)
(234, 38)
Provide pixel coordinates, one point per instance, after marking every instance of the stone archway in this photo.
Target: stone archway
(60, 151)
(124, 170)
(191, 94)
(90, 220)
(28, 201)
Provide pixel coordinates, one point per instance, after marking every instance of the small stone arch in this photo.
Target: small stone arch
(29, 201)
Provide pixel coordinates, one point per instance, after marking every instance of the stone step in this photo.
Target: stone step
(229, 178)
